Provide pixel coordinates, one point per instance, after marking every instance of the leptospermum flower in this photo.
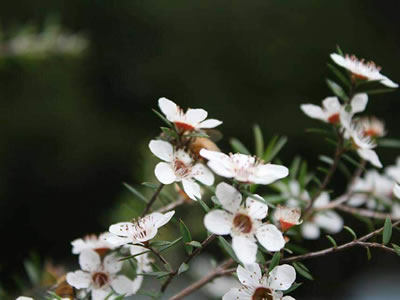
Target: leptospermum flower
(331, 108)
(396, 191)
(292, 191)
(287, 217)
(244, 168)
(99, 243)
(143, 260)
(393, 171)
(362, 70)
(139, 231)
(192, 119)
(178, 166)
(372, 127)
(258, 287)
(327, 220)
(243, 223)
(100, 277)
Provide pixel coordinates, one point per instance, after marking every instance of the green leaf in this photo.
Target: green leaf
(228, 248)
(195, 244)
(134, 191)
(294, 167)
(340, 75)
(150, 185)
(169, 124)
(326, 159)
(339, 50)
(302, 270)
(387, 231)
(259, 140)
(215, 200)
(292, 288)
(396, 248)
(389, 143)
(183, 268)
(173, 243)
(337, 90)
(159, 274)
(238, 146)
(369, 255)
(134, 255)
(319, 131)
(196, 134)
(351, 231)
(274, 261)
(380, 91)
(186, 236)
(203, 205)
(332, 240)
(270, 153)
(170, 132)
(353, 161)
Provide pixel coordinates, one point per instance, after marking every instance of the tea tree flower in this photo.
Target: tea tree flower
(243, 223)
(372, 127)
(393, 171)
(100, 277)
(258, 287)
(99, 243)
(287, 217)
(139, 231)
(143, 260)
(192, 119)
(327, 220)
(243, 168)
(362, 70)
(292, 191)
(178, 166)
(331, 108)
(396, 191)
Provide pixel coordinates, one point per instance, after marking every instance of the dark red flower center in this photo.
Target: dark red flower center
(183, 126)
(100, 279)
(262, 293)
(333, 119)
(243, 223)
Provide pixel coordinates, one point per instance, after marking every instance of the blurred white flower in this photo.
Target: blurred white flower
(258, 287)
(178, 166)
(192, 119)
(362, 70)
(372, 127)
(143, 260)
(327, 220)
(331, 108)
(292, 192)
(97, 243)
(396, 191)
(29, 298)
(139, 231)
(243, 223)
(243, 167)
(287, 217)
(393, 171)
(100, 277)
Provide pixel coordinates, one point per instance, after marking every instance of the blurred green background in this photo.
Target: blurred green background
(73, 129)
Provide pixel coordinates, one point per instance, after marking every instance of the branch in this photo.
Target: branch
(160, 257)
(208, 240)
(152, 200)
(217, 272)
(171, 205)
(365, 212)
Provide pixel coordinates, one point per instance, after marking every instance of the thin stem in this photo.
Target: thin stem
(160, 257)
(152, 200)
(204, 244)
(171, 205)
(364, 212)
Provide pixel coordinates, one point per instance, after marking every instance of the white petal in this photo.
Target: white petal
(331, 105)
(314, 111)
(359, 103)
(89, 260)
(210, 123)
(396, 191)
(100, 294)
(386, 81)
(250, 275)
(203, 174)
(192, 189)
(288, 298)
(162, 219)
(245, 249)
(164, 173)
(219, 162)
(229, 197)
(218, 222)
(24, 298)
(371, 156)
(357, 200)
(268, 173)
(322, 200)
(338, 59)
(121, 229)
(282, 277)
(270, 237)
(168, 108)
(194, 116)
(124, 286)
(112, 264)
(330, 221)
(257, 209)
(310, 231)
(237, 294)
(79, 279)
(163, 150)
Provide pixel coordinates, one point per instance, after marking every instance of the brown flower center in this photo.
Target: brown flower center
(334, 119)
(243, 223)
(262, 293)
(183, 126)
(181, 169)
(100, 279)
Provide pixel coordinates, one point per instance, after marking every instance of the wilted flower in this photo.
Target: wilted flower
(372, 127)
(327, 220)
(139, 231)
(99, 243)
(244, 168)
(331, 108)
(243, 223)
(178, 166)
(258, 287)
(362, 70)
(192, 119)
(287, 217)
(100, 277)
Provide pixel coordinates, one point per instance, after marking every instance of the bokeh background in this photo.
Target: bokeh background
(72, 129)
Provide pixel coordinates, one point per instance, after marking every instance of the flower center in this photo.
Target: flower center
(102, 251)
(333, 119)
(100, 279)
(183, 126)
(243, 223)
(262, 293)
(142, 228)
(371, 132)
(181, 169)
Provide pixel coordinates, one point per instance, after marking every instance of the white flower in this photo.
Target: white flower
(93, 242)
(179, 166)
(331, 108)
(396, 191)
(287, 217)
(362, 70)
(29, 298)
(100, 277)
(258, 287)
(140, 231)
(372, 127)
(328, 220)
(243, 223)
(143, 260)
(394, 170)
(192, 119)
(292, 191)
(371, 187)
(243, 167)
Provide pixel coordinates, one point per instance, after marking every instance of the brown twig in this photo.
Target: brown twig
(171, 205)
(217, 272)
(160, 257)
(204, 244)
(364, 212)
(152, 200)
